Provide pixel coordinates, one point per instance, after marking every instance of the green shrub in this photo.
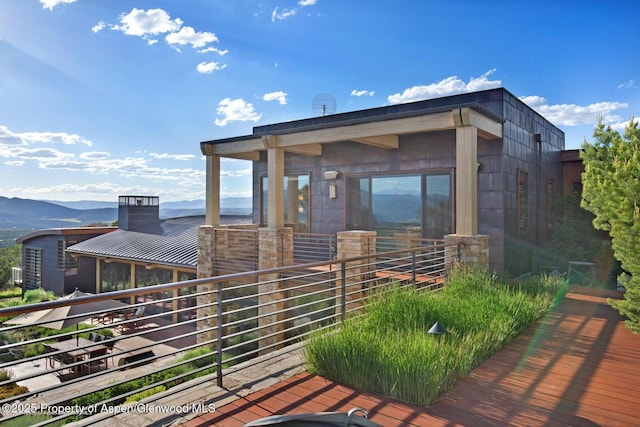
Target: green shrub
(389, 351)
(37, 295)
(139, 396)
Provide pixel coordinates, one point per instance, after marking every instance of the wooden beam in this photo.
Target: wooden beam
(486, 127)
(251, 155)
(226, 149)
(307, 150)
(383, 141)
(379, 133)
(422, 123)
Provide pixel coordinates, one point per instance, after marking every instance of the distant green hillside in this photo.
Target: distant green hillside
(16, 213)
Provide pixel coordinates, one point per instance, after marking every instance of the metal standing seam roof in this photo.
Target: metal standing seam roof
(171, 242)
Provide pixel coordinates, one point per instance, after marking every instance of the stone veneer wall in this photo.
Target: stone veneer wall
(353, 244)
(276, 250)
(474, 250)
(206, 262)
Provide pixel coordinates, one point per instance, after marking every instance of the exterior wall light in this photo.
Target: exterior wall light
(333, 191)
(330, 174)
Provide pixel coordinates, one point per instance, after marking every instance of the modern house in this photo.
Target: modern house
(480, 168)
(47, 264)
(143, 250)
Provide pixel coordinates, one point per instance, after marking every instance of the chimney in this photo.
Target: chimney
(136, 211)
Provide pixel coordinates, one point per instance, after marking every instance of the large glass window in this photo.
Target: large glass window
(392, 204)
(116, 276)
(65, 259)
(188, 298)
(296, 202)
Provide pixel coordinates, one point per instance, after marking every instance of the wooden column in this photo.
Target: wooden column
(212, 189)
(466, 180)
(98, 276)
(275, 191)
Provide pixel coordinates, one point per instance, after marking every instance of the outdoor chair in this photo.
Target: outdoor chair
(62, 358)
(132, 319)
(97, 360)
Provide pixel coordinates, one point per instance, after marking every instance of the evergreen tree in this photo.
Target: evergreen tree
(9, 257)
(611, 191)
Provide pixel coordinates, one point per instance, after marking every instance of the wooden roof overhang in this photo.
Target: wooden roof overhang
(382, 131)
(380, 128)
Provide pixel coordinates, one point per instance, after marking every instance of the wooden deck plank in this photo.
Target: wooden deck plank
(578, 366)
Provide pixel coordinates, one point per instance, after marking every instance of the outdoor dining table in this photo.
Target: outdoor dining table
(78, 350)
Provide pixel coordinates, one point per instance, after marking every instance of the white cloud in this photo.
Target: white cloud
(237, 173)
(284, 14)
(7, 137)
(448, 86)
(621, 125)
(94, 155)
(172, 156)
(98, 27)
(235, 110)
(627, 85)
(50, 4)
(279, 96)
(140, 22)
(149, 23)
(59, 151)
(572, 114)
(305, 3)
(362, 92)
(210, 67)
(214, 50)
(187, 35)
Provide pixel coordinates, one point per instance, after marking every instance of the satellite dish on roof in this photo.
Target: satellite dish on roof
(323, 104)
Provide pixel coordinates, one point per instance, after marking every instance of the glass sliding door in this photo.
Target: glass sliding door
(396, 204)
(296, 202)
(438, 212)
(358, 195)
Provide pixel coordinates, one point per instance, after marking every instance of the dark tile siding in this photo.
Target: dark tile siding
(54, 278)
(541, 160)
(497, 184)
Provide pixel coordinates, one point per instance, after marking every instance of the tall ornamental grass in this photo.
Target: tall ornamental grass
(388, 351)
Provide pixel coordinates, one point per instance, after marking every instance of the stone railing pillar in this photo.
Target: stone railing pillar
(276, 250)
(352, 244)
(473, 250)
(206, 265)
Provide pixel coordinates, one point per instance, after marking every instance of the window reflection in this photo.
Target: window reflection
(393, 204)
(296, 202)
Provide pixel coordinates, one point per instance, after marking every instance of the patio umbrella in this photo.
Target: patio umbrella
(59, 317)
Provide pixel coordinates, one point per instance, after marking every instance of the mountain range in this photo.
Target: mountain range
(28, 214)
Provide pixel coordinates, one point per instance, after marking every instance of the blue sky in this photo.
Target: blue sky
(100, 98)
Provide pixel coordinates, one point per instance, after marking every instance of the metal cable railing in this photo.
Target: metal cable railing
(237, 318)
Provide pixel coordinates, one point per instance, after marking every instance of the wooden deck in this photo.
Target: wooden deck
(580, 366)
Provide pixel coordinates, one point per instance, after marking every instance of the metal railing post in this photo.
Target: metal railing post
(343, 291)
(413, 267)
(219, 334)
